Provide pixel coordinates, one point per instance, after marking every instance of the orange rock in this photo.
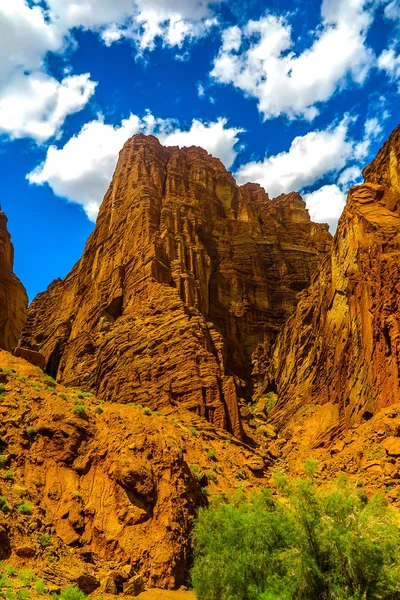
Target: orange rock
(185, 276)
(342, 344)
(13, 298)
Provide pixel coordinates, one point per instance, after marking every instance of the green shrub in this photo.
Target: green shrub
(30, 431)
(45, 540)
(147, 411)
(194, 432)
(63, 396)
(26, 577)
(9, 475)
(22, 595)
(211, 455)
(40, 587)
(211, 476)
(79, 410)
(3, 505)
(3, 460)
(24, 508)
(330, 544)
(72, 593)
(2, 388)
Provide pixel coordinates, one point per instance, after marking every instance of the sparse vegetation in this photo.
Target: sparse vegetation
(45, 540)
(9, 475)
(24, 508)
(63, 396)
(3, 460)
(309, 544)
(211, 455)
(40, 587)
(147, 411)
(193, 431)
(79, 410)
(72, 593)
(3, 505)
(31, 431)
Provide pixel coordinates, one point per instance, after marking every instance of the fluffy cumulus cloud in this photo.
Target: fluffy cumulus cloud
(260, 59)
(36, 106)
(389, 61)
(172, 21)
(33, 103)
(309, 158)
(81, 170)
(326, 204)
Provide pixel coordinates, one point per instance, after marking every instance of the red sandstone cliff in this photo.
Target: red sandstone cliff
(184, 277)
(13, 298)
(338, 355)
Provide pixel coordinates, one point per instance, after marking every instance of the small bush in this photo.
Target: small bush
(72, 593)
(45, 540)
(30, 431)
(79, 410)
(211, 455)
(24, 508)
(63, 396)
(9, 475)
(98, 410)
(3, 505)
(3, 460)
(26, 577)
(330, 544)
(211, 476)
(194, 432)
(40, 587)
(147, 411)
(2, 388)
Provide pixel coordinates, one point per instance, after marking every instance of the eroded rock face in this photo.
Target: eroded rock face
(185, 276)
(341, 347)
(113, 487)
(13, 298)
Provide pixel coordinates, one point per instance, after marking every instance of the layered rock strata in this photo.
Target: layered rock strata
(339, 353)
(13, 298)
(185, 276)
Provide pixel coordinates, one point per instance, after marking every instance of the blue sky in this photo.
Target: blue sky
(294, 95)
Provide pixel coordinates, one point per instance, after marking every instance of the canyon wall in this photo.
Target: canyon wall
(13, 298)
(340, 349)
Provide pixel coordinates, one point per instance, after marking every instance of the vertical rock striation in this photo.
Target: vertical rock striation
(13, 298)
(341, 347)
(182, 287)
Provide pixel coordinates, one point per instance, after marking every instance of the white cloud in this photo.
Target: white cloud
(350, 175)
(309, 158)
(325, 205)
(215, 137)
(32, 103)
(392, 10)
(260, 59)
(173, 21)
(36, 105)
(389, 61)
(25, 37)
(81, 170)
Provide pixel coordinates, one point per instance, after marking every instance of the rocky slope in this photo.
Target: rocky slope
(338, 356)
(182, 287)
(102, 495)
(13, 298)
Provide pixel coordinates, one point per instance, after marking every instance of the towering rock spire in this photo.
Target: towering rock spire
(13, 298)
(185, 275)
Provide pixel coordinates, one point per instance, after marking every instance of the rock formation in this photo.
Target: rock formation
(13, 298)
(182, 287)
(338, 355)
(113, 488)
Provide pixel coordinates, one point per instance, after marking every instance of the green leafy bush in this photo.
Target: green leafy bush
(40, 587)
(24, 508)
(79, 410)
(45, 540)
(327, 544)
(71, 593)
(147, 411)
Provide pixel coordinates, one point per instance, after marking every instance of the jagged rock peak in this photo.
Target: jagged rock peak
(340, 350)
(184, 278)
